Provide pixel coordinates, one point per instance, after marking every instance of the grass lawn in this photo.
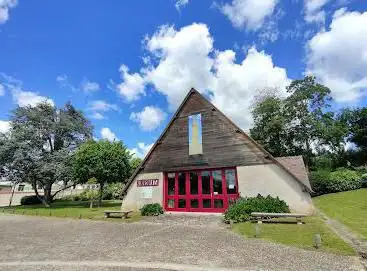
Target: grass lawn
(298, 235)
(72, 209)
(350, 208)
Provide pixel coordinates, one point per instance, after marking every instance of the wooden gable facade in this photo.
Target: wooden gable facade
(223, 143)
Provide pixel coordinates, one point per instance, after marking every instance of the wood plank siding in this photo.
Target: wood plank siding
(223, 144)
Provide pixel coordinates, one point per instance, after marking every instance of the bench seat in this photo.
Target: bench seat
(266, 216)
(124, 214)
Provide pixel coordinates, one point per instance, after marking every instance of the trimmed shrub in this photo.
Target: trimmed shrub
(153, 209)
(324, 182)
(344, 180)
(30, 200)
(240, 210)
(319, 181)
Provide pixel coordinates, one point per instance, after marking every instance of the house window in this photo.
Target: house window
(21, 187)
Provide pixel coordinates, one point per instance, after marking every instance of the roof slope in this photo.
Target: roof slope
(267, 155)
(296, 165)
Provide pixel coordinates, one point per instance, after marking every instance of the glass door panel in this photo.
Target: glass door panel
(231, 181)
(181, 183)
(171, 183)
(194, 183)
(217, 182)
(205, 182)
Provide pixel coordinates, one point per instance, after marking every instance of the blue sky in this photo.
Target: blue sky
(128, 64)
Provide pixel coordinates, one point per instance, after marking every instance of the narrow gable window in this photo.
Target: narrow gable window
(195, 135)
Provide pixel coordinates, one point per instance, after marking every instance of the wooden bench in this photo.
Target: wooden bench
(260, 217)
(124, 214)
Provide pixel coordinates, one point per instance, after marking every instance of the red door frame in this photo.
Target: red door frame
(200, 197)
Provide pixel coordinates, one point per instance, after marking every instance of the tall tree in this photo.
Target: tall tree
(269, 124)
(357, 123)
(40, 145)
(107, 162)
(134, 163)
(304, 108)
(294, 125)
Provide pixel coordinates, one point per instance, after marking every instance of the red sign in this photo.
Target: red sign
(149, 182)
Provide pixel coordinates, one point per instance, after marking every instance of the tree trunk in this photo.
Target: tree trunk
(47, 194)
(100, 194)
(42, 199)
(12, 194)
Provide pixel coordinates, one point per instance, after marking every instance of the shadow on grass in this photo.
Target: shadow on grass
(69, 205)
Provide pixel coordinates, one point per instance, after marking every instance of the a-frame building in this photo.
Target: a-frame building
(202, 160)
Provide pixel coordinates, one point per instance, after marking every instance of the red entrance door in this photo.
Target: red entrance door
(200, 190)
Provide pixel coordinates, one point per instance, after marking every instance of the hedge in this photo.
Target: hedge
(324, 182)
(153, 209)
(241, 209)
(30, 200)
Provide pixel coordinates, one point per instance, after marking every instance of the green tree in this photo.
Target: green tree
(357, 123)
(107, 162)
(134, 163)
(299, 123)
(304, 110)
(39, 147)
(269, 125)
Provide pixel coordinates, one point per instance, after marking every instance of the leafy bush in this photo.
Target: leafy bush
(342, 179)
(241, 209)
(30, 200)
(153, 209)
(112, 191)
(319, 181)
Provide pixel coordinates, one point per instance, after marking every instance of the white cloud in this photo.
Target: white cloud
(248, 14)
(314, 12)
(132, 86)
(2, 90)
(98, 107)
(338, 56)
(107, 134)
(149, 118)
(186, 58)
(97, 116)
(180, 4)
(89, 86)
(4, 126)
(5, 5)
(25, 98)
(141, 150)
(85, 85)
(236, 85)
(184, 61)
(20, 96)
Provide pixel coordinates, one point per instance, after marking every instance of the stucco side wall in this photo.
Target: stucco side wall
(134, 199)
(273, 180)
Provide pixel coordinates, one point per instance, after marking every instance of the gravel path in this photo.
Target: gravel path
(174, 243)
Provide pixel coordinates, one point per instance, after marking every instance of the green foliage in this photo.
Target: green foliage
(324, 182)
(153, 209)
(357, 121)
(113, 191)
(29, 200)
(303, 124)
(134, 163)
(241, 209)
(107, 162)
(40, 144)
(269, 124)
